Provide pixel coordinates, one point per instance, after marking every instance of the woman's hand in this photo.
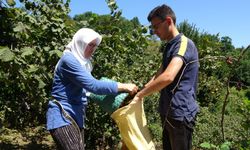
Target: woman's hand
(128, 87)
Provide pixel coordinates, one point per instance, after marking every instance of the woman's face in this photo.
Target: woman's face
(90, 49)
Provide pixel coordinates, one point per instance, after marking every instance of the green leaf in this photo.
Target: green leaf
(11, 2)
(6, 54)
(56, 19)
(225, 146)
(32, 68)
(19, 27)
(41, 84)
(57, 52)
(207, 145)
(26, 51)
(46, 48)
(31, 19)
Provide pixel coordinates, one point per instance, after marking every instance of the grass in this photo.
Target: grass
(27, 139)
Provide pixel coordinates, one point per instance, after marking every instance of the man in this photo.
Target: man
(176, 80)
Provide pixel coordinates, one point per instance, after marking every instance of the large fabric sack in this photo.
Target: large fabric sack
(132, 124)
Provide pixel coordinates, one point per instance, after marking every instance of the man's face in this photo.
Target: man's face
(159, 27)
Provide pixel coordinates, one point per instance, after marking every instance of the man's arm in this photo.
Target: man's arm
(155, 76)
(163, 80)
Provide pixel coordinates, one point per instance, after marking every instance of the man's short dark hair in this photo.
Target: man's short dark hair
(162, 12)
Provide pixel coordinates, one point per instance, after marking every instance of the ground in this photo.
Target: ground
(27, 139)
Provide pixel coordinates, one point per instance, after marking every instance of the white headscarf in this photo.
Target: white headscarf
(78, 45)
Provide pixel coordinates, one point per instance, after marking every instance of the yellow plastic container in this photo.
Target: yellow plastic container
(132, 124)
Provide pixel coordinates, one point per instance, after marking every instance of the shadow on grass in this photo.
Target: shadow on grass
(30, 146)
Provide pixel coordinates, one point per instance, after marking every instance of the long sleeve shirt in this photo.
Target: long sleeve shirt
(70, 84)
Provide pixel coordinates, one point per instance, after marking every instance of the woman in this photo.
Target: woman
(72, 80)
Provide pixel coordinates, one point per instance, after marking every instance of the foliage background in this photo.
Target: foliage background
(33, 38)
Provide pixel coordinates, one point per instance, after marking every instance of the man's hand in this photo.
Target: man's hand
(136, 99)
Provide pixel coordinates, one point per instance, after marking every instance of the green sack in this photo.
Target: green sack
(108, 103)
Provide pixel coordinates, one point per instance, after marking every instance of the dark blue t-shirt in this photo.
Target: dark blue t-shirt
(178, 100)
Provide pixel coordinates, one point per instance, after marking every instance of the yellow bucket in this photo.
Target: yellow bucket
(132, 124)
